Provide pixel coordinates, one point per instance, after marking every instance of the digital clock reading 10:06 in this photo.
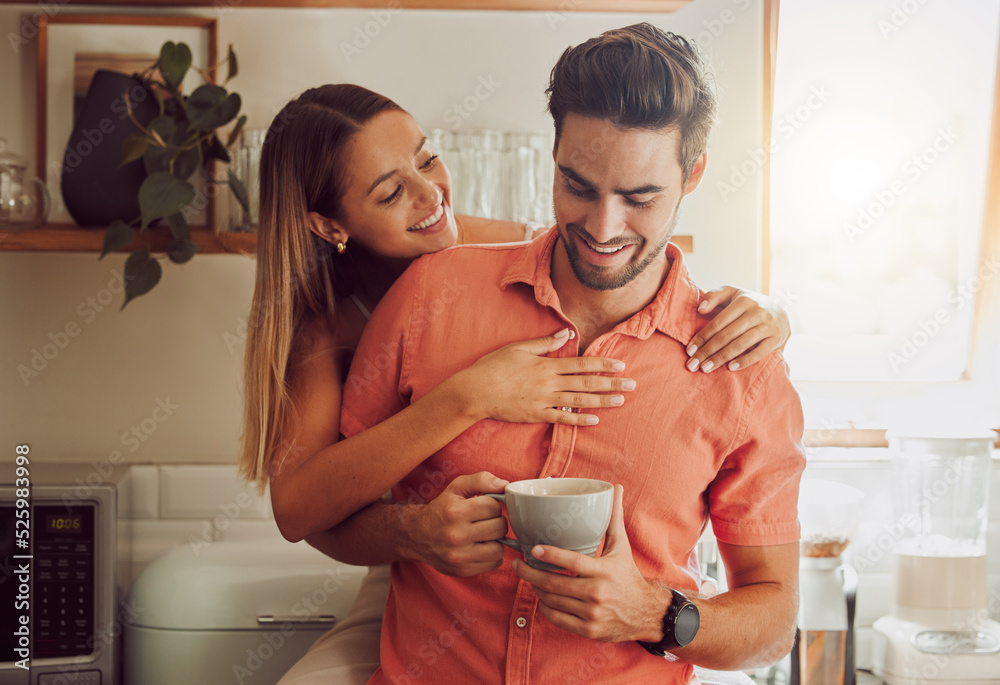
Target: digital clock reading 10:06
(63, 524)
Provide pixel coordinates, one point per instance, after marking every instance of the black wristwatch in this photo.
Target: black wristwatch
(680, 625)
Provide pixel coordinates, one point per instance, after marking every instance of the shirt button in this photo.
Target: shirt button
(521, 621)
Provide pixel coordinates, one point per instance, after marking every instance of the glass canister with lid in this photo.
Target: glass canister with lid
(24, 200)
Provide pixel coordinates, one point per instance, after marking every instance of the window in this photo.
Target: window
(880, 154)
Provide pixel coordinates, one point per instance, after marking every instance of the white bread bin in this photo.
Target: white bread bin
(232, 612)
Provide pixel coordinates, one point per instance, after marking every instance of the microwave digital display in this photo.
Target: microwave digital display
(64, 524)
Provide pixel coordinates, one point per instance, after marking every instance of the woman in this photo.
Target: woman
(330, 244)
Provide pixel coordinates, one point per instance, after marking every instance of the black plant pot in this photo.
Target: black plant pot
(95, 190)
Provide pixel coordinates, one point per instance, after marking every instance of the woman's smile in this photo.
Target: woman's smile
(430, 224)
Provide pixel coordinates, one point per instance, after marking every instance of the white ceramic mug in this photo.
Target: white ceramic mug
(569, 513)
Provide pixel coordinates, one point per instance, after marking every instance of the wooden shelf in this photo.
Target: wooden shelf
(852, 437)
(72, 238)
(563, 6)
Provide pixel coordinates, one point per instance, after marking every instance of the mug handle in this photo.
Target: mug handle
(509, 542)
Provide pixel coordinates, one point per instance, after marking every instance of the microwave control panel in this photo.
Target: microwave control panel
(63, 588)
(62, 580)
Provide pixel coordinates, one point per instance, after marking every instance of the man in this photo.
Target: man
(632, 112)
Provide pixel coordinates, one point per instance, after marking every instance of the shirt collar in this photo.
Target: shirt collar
(673, 312)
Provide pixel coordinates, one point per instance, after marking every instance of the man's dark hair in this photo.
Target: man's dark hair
(637, 77)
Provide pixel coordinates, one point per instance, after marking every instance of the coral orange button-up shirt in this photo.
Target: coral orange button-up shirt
(688, 447)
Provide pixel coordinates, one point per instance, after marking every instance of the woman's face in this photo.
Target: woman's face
(398, 198)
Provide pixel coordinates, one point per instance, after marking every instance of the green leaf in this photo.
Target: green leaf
(233, 65)
(133, 148)
(156, 159)
(234, 135)
(179, 227)
(175, 60)
(239, 190)
(165, 126)
(142, 272)
(163, 194)
(182, 163)
(185, 163)
(181, 251)
(210, 107)
(116, 236)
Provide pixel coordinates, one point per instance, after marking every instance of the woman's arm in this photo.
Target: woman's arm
(749, 328)
(319, 481)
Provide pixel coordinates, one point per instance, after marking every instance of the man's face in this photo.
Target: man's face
(616, 195)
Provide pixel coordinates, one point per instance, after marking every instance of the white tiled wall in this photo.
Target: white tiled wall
(197, 492)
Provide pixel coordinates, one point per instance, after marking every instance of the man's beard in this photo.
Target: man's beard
(601, 278)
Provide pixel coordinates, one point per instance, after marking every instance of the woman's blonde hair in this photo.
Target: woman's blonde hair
(300, 276)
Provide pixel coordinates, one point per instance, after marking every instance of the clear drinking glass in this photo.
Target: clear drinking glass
(498, 174)
(245, 166)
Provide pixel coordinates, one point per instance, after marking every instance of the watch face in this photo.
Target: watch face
(686, 625)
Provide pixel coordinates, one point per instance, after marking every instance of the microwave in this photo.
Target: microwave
(58, 622)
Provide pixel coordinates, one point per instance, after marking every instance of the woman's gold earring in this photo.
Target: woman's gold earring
(341, 248)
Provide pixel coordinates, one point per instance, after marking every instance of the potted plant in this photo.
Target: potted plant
(175, 146)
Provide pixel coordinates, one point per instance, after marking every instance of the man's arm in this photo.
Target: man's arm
(455, 533)
(609, 600)
(753, 624)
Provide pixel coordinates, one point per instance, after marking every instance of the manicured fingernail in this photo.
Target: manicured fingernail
(564, 332)
(708, 366)
(537, 551)
(592, 420)
(733, 366)
(628, 384)
(618, 366)
(692, 349)
(618, 400)
(703, 305)
(692, 365)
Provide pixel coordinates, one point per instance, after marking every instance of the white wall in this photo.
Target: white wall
(179, 344)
